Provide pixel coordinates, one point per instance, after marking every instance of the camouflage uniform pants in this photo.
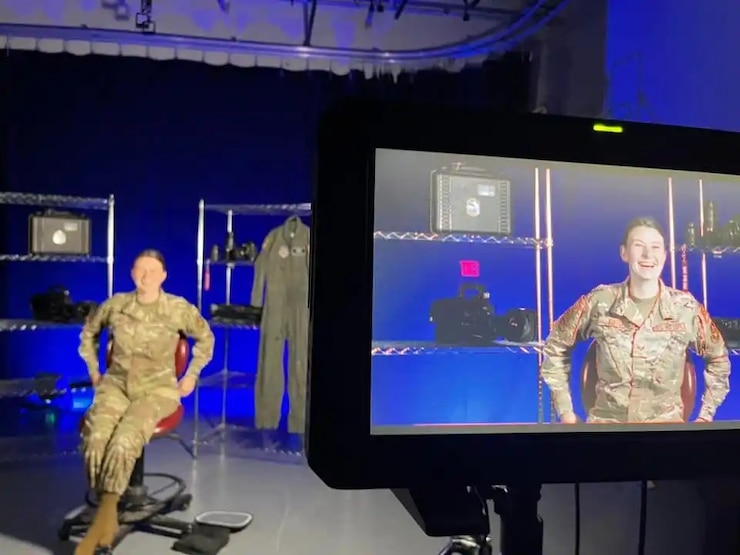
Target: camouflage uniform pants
(117, 427)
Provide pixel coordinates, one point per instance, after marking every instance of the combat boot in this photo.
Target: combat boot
(108, 519)
(105, 523)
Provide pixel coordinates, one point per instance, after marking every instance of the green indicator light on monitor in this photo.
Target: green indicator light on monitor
(603, 128)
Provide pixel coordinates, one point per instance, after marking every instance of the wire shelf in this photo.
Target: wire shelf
(458, 238)
(232, 263)
(232, 325)
(29, 448)
(9, 324)
(43, 387)
(234, 380)
(54, 201)
(50, 258)
(715, 251)
(303, 209)
(404, 348)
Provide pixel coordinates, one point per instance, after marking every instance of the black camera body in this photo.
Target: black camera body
(471, 320)
(56, 305)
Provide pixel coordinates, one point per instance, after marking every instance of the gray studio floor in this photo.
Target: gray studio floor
(295, 513)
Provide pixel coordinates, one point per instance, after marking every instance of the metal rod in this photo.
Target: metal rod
(671, 232)
(443, 9)
(229, 270)
(309, 21)
(704, 296)
(200, 255)
(538, 290)
(549, 245)
(200, 241)
(110, 255)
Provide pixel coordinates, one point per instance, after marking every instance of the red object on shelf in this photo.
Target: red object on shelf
(469, 268)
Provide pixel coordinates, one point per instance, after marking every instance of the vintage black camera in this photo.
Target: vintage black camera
(234, 252)
(56, 305)
(465, 199)
(471, 321)
(715, 235)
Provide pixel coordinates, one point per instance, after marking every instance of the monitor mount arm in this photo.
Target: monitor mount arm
(463, 515)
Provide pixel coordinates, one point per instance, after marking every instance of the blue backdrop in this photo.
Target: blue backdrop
(590, 208)
(160, 136)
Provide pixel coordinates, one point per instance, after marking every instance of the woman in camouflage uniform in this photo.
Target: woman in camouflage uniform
(642, 330)
(139, 388)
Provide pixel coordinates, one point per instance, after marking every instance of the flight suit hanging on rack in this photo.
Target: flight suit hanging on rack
(281, 287)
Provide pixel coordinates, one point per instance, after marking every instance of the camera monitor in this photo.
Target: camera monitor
(502, 299)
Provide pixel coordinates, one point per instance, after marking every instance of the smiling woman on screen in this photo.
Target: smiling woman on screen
(642, 330)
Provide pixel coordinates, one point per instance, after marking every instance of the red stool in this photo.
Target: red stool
(138, 511)
(589, 379)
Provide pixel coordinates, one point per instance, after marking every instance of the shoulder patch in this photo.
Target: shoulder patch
(574, 313)
(706, 322)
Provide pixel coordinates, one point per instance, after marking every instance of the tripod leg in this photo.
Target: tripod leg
(521, 526)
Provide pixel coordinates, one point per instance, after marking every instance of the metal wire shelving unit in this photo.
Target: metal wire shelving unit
(541, 244)
(20, 448)
(228, 379)
(705, 253)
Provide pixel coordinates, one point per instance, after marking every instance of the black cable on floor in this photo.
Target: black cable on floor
(577, 496)
(643, 518)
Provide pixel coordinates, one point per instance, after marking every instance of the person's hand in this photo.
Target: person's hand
(186, 386)
(95, 379)
(568, 418)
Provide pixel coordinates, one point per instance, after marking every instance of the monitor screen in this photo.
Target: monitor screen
(514, 295)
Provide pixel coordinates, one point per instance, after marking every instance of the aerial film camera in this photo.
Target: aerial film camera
(466, 199)
(471, 320)
(57, 305)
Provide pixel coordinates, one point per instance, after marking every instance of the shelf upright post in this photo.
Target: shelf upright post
(704, 295)
(672, 232)
(200, 241)
(229, 270)
(111, 241)
(548, 246)
(538, 290)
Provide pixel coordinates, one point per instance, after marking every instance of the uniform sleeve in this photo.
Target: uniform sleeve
(710, 345)
(260, 273)
(569, 329)
(197, 328)
(89, 348)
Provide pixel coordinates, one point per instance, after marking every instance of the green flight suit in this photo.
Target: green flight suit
(140, 387)
(640, 359)
(281, 287)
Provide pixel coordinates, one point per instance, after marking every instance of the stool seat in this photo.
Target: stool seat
(165, 426)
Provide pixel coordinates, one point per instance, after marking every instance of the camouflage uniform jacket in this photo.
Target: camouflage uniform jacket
(640, 361)
(146, 338)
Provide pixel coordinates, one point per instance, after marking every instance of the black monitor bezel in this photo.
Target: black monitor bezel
(340, 448)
